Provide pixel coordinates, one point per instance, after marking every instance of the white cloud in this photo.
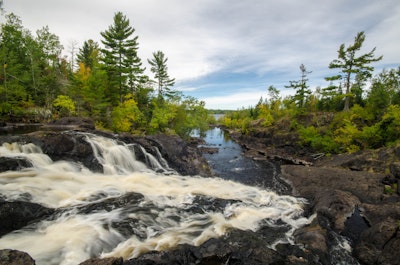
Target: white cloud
(238, 99)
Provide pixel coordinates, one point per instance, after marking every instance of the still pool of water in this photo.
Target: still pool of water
(229, 163)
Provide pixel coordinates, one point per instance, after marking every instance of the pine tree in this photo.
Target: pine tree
(52, 76)
(159, 68)
(89, 53)
(15, 74)
(120, 57)
(302, 91)
(352, 66)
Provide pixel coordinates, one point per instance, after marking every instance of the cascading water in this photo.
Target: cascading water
(130, 208)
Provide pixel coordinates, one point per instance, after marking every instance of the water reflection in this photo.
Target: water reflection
(229, 163)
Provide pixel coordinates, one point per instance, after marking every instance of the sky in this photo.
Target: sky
(228, 52)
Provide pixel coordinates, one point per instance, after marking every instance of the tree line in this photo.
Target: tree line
(106, 82)
(355, 111)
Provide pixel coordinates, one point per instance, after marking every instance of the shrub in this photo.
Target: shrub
(311, 136)
(347, 136)
(64, 105)
(127, 116)
(390, 125)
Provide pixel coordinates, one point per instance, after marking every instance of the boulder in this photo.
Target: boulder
(336, 205)
(13, 163)
(17, 214)
(107, 261)
(380, 244)
(15, 257)
(182, 156)
(312, 237)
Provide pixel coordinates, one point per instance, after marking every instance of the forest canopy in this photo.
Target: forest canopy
(106, 82)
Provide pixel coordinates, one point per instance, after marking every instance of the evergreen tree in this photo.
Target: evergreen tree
(120, 57)
(89, 53)
(302, 91)
(15, 75)
(159, 68)
(352, 66)
(52, 76)
(385, 91)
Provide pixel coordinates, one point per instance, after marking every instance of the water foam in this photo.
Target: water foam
(163, 219)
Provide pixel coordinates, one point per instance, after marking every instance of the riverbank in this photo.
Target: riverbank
(352, 195)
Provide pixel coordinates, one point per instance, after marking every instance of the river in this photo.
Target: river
(130, 208)
(229, 163)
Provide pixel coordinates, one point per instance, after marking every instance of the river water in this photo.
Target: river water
(131, 208)
(229, 163)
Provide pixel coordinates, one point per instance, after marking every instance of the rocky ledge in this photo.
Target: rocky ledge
(351, 195)
(61, 140)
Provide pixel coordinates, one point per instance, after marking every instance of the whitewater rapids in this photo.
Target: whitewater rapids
(163, 217)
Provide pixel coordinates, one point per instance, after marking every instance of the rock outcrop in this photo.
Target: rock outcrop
(352, 195)
(17, 214)
(15, 257)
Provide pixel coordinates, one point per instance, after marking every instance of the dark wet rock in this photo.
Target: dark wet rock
(238, 247)
(208, 150)
(380, 160)
(130, 198)
(57, 141)
(335, 194)
(265, 145)
(17, 214)
(313, 237)
(13, 163)
(107, 261)
(67, 146)
(74, 122)
(15, 257)
(308, 181)
(336, 205)
(380, 244)
(70, 147)
(183, 157)
(130, 203)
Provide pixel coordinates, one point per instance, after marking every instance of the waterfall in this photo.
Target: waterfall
(131, 207)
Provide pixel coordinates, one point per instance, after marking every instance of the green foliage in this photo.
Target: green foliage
(390, 189)
(319, 141)
(346, 136)
(64, 106)
(162, 117)
(371, 137)
(159, 68)
(123, 66)
(264, 113)
(351, 65)
(239, 119)
(126, 117)
(89, 54)
(301, 87)
(390, 125)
